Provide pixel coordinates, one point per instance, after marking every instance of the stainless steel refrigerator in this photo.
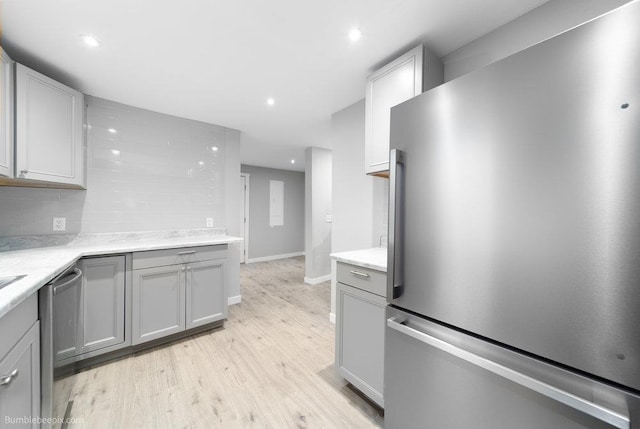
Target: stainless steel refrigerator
(514, 240)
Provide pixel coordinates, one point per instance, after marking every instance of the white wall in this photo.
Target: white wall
(233, 201)
(318, 204)
(352, 189)
(547, 20)
(147, 176)
(271, 241)
(359, 201)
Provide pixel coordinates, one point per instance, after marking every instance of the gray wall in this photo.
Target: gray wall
(264, 240)
(318, 204)
(547, 20)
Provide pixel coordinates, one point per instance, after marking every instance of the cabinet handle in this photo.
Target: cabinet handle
(187, 252)
(358, 273)
(7, 379)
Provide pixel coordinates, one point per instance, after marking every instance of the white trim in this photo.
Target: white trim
(332, 318)
(316, 280)
(245, 258)
(274, 257)
(233, 300)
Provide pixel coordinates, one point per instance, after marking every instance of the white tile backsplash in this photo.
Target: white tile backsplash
(156, 172)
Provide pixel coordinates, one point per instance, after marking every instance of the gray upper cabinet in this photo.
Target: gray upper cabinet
(206, 292)
(49, 131)
(158, 302)
(6, 115)
(89, 314)
(398, 81)
(177, 289)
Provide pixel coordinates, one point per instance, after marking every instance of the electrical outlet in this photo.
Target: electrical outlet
(328, 218)
(209, 222)
(59, 223)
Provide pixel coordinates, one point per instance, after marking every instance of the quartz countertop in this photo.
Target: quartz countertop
(42, 258)
(374, 258)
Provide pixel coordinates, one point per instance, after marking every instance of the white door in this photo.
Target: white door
(244, 217)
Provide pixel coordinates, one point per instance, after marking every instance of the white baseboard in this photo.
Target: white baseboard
(274, 257)
(232, 300)
(332, 318)
(316, 280)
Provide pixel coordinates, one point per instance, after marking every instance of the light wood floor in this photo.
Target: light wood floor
(271, 366)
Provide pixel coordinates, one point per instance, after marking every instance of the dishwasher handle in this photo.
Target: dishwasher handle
(592, 409)
(74, 275)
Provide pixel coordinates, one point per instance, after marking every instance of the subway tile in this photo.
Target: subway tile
(156, 180)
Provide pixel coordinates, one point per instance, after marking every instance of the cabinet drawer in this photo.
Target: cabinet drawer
(362, 278)
(159, 258)
(14, 324)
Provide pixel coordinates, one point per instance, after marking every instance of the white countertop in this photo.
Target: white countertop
(374, 258)
(42, 264)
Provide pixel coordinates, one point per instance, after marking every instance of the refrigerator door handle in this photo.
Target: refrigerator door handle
(594, 410)
(394, 243)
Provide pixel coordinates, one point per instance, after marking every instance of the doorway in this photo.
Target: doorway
(244, 217)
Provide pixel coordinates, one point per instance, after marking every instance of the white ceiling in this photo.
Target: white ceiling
(218, 61)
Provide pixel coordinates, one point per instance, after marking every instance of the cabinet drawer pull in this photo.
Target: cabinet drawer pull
(358, 273)
(7, 379)
(187, 252)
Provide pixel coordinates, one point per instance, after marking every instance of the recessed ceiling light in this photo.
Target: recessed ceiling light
(90, 40)
(355, 34)
(201, 162)
(115, 151)
(271, 101)
(293, 161)
(214, 148)
(112, 130)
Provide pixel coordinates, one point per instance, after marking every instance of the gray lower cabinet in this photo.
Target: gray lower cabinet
(205, 293)
(177, 289)
(158, 302)
(103, 302)
(360, 329)
(90, 315)
(20, 367)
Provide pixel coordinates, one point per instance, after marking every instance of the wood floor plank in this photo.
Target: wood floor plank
(271, 366)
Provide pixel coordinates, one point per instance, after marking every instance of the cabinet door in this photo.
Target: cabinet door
(396, 82)
(67, 300)
(360, 327)
(103, 306)
(49, 129)
(6, 115)
(158, 302)
(206, 292)
(20, 381)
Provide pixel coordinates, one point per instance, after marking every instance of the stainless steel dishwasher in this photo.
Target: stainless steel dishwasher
(55, 300)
